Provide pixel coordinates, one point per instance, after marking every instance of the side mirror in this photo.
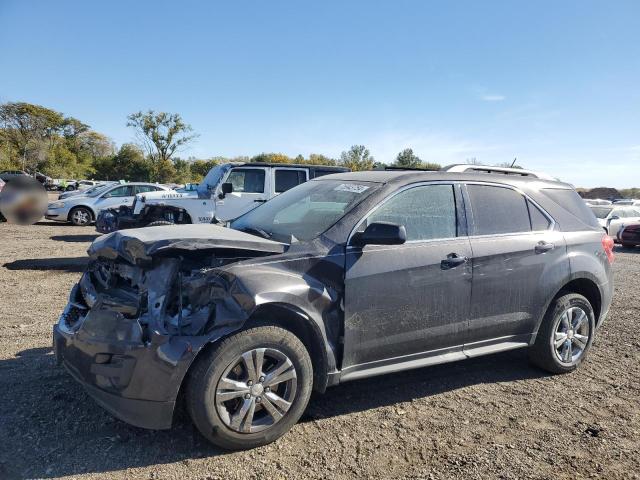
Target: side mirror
(381, 233)
(226, 188)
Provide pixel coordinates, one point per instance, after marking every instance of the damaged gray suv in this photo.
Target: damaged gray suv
(343, 277)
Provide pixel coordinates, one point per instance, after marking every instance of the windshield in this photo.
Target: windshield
(211, 180)
(305, 211)
(601, 212)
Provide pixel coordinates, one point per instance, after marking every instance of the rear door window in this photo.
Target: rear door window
(498, 210)
(287, 179)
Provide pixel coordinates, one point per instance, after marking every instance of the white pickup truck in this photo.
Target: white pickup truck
(227, 191)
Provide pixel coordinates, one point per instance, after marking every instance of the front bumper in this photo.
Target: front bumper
(136, 379)
(57, 215)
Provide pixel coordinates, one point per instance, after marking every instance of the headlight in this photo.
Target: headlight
(56, 205)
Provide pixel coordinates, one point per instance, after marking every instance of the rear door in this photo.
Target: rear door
(251, 186)
(517, 257)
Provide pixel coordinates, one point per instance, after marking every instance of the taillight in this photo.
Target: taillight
(607, 245)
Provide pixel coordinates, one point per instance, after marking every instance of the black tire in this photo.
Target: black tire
(201, 392)
(70, 188)
(159, 223)
(80, 216)
(543, 352)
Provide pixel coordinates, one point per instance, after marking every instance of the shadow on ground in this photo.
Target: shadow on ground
(74, 238)
(65, 432)
(67, 264)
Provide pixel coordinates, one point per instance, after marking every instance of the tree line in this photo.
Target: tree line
(35, 138)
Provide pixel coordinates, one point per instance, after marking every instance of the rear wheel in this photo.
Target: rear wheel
(565, 335)
(80, 216)
(251, 388)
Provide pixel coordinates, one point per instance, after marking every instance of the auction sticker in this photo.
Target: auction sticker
(351, 187)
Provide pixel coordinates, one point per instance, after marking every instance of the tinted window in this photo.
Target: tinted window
(572, 203)
(286, 179)
(538, 220)
(319, 172)
(426, 212)
(498, 210)
(247, 180)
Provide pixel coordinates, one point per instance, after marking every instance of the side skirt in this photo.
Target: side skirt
(435, 357)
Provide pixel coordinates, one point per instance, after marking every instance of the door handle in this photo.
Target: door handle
(452, 261)
(543, 247)
(260, 201)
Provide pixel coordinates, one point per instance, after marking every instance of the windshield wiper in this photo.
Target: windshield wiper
(259, 231)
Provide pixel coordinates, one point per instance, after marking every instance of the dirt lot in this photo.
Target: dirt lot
(488, 417)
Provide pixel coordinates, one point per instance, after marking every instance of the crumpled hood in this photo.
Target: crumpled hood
(139, 245)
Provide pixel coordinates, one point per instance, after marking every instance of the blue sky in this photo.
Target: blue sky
(555, 84)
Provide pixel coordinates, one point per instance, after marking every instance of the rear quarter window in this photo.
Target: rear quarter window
(570, 201)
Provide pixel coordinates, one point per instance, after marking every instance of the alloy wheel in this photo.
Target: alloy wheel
(571, 335)
(256, 390)
(80, 217)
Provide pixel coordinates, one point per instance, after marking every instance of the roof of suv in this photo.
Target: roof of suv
(386, 176)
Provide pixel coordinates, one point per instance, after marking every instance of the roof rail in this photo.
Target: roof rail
(470, 168)
(419, 169)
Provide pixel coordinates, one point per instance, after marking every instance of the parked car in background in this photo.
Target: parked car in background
(597, 201)
(612, 217)
(82, 210)
(7, 175)
(87, 191)
(343, 277)
(227, 191)
(625, 201)
(629, 235)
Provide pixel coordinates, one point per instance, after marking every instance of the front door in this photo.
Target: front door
(116, 197)
(250, 189)
(402, 301)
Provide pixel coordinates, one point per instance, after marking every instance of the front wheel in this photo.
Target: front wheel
(565, 335)
(251, 388)
(80, 216)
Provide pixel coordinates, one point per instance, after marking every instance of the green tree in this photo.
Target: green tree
(199, 168)
(357, 158)
(26, 127)
(319, 159)
(407, 159)
(162, 134)
(271, 158)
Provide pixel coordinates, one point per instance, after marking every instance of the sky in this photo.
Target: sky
(554, 84)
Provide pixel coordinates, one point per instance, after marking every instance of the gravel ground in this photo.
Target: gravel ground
(491, 417)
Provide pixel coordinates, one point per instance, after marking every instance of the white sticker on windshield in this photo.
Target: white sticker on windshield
(351, 187)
